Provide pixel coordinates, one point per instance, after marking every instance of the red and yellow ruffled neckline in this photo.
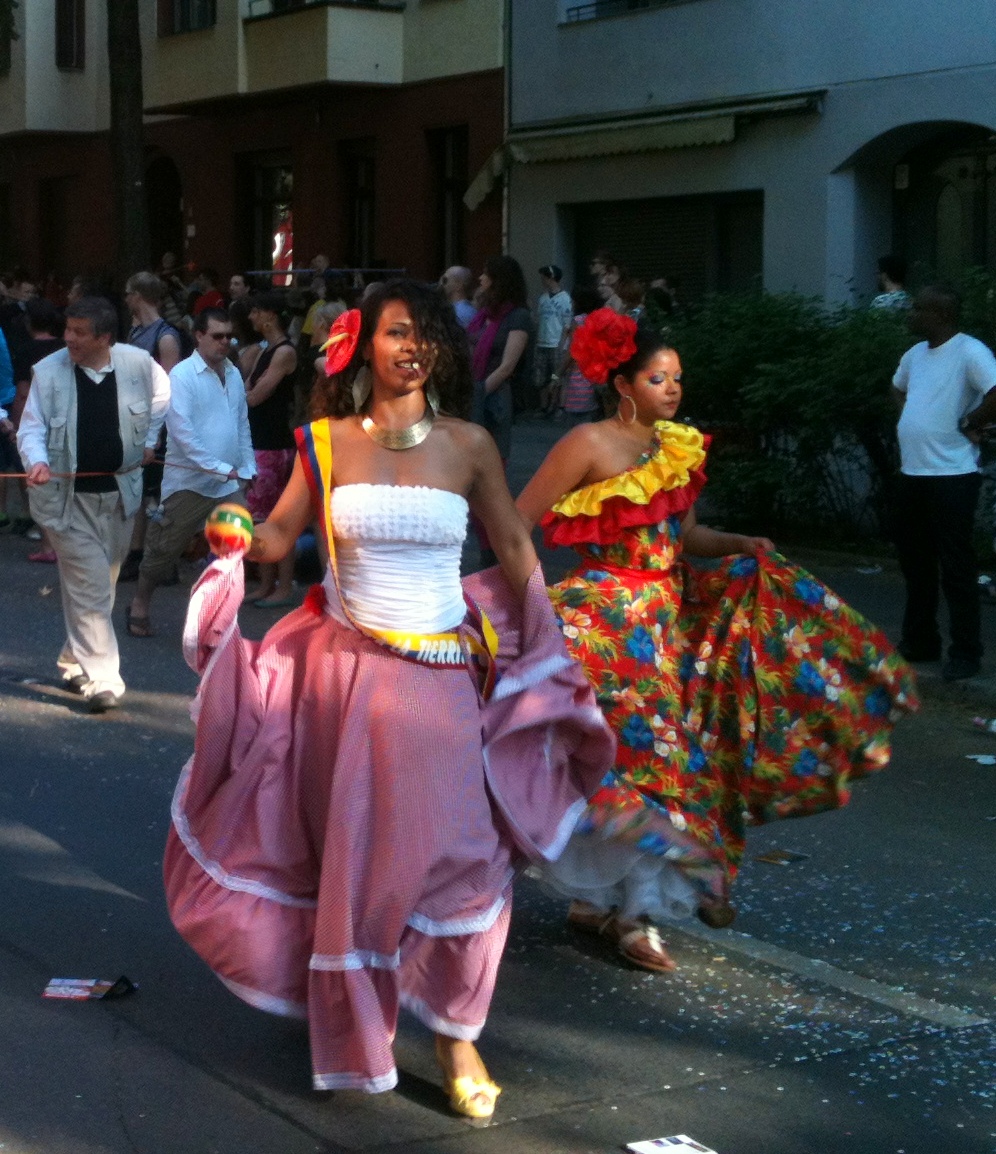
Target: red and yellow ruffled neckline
(665, 483)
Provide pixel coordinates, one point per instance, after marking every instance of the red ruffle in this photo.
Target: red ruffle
(619, 513)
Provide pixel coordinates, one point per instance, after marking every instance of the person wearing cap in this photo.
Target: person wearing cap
(553, 319)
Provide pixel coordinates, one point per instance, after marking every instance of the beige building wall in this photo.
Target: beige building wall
(192, 65)
(36, 96)
(451, 37)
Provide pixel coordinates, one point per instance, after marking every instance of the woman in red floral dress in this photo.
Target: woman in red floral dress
(740, 689)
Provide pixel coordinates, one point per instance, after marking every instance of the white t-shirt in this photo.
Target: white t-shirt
(553, 316)
(941, 386)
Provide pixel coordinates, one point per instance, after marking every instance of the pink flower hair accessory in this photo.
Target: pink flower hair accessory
(344, 336)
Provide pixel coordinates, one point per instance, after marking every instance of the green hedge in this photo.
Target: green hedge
(798, 399)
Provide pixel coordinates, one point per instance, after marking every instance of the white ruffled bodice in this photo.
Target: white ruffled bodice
(398, 554)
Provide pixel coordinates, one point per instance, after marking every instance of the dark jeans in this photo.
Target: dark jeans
(935, 519)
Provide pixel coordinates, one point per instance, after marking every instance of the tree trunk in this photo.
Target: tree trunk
(131, 224)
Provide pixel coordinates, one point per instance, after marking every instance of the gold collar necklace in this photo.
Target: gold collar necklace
(398, 439)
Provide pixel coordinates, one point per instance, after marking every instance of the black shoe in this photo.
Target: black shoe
(960, 668)
(129, 570)
(103, 701)
(76, 684)
(915, 653)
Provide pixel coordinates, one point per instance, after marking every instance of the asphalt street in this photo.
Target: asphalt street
(849, 1011)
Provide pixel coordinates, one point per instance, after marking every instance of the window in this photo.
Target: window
(8, 34)
(70, 34)
(359, 168)
(266, 212)
(185, 16)
(448, 152)
(599, 8)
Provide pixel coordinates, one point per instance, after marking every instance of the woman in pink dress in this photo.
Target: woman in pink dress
(368, 778)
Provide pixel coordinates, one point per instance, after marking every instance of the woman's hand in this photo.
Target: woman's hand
(276, 537)
(701, 541)
(756, 545)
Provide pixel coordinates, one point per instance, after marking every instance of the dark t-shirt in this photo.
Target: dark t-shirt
(518, 320)
(270, 420)
(35, 350)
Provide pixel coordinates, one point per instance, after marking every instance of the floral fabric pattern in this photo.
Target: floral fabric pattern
(740, 690)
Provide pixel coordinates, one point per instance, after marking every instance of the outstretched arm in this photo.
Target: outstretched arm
(701, 541)
(276, 537)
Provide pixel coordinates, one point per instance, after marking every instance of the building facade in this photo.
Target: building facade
(725, 143)
(275, 129)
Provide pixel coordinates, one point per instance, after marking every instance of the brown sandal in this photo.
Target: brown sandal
(584, 916)
(642, 946)
(138, 626)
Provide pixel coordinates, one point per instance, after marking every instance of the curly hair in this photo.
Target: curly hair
(436, 328)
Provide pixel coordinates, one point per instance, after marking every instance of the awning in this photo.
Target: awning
(690, 127)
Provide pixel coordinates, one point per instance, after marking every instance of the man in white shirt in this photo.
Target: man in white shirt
(946, 385)
(92, 417)
(209, 457)
(553, 319)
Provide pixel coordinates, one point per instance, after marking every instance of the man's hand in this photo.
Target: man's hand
(39, 474)
(148, 457)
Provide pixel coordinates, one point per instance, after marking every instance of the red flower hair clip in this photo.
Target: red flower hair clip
(603, 342)
(344, 336)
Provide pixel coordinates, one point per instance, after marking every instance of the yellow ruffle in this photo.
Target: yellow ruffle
(681, 450)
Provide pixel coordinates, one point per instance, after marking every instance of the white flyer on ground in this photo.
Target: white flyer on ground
(677, 1144)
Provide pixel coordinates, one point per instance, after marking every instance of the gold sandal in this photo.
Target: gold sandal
(472, 1097)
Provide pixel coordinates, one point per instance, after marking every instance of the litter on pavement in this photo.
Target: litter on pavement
(781, 857)
(83, 989)
(678, 1144)
(989, 725)
(981, 758)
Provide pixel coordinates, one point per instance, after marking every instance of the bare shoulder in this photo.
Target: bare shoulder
(465, 435)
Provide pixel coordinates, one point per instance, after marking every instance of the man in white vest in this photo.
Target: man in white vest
(91, 421)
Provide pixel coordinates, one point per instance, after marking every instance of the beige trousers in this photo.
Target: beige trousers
(90, 553)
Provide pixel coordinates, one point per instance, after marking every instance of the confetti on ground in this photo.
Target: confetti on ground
(787, 856)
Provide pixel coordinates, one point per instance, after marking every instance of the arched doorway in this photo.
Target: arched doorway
(944, 203)
(164, 198)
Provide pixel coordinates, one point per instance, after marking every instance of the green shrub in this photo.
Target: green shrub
(799, 401)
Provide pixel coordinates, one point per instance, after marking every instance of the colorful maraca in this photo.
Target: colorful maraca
(228, 530)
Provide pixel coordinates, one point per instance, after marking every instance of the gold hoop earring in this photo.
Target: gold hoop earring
(619, 417)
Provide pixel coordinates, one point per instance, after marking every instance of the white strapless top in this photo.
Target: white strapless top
(398, 554)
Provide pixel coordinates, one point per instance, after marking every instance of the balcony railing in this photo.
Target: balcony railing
(279, 7)
(602, 8)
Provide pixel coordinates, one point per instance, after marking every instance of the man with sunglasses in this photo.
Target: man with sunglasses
(209, 458)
